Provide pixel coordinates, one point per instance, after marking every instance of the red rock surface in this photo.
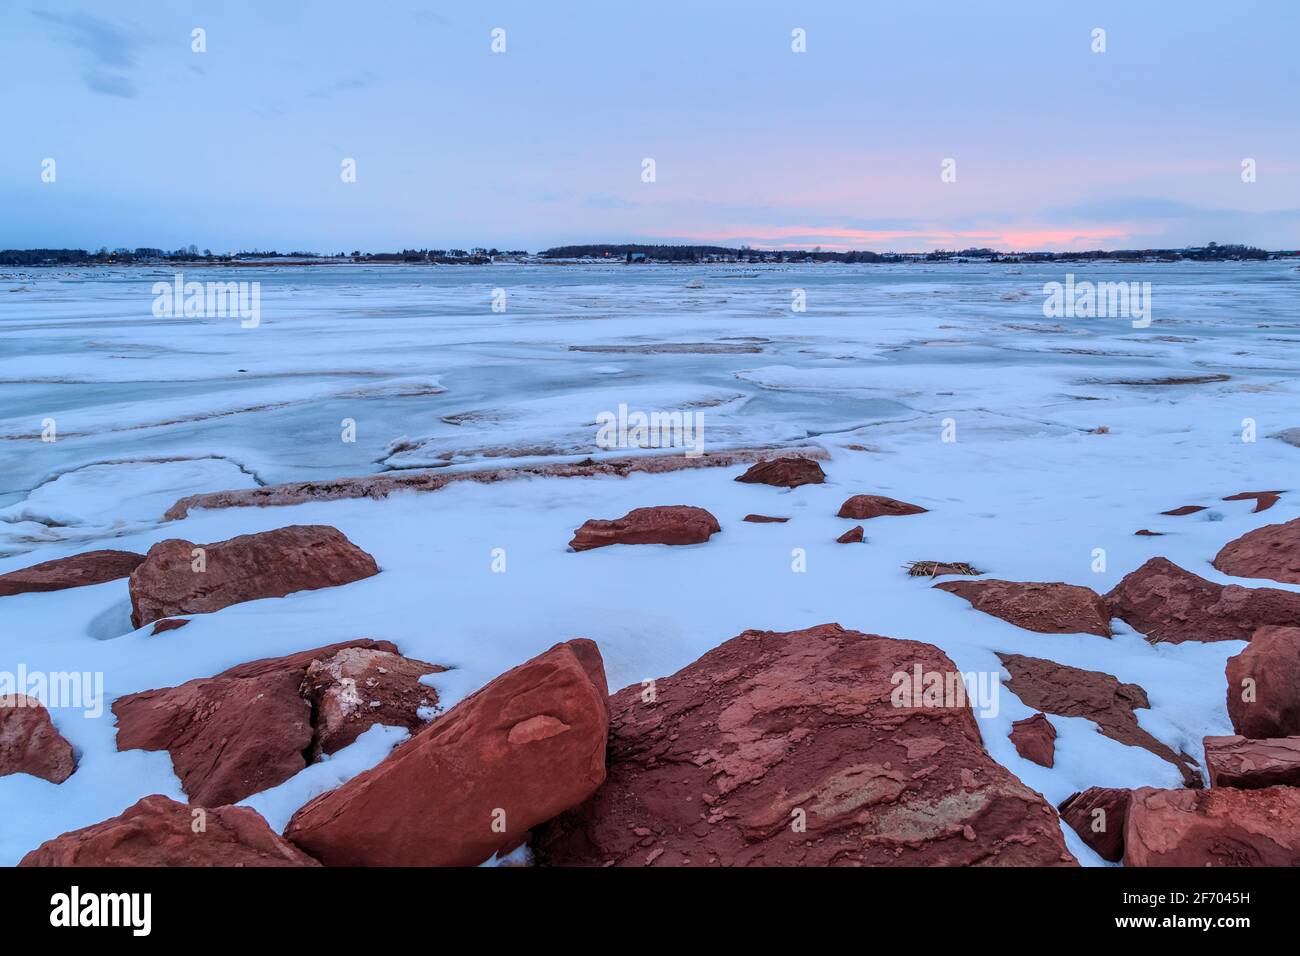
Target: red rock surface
(861, 507)
(383, 485)
(246, 568)
(1251, 764)
(78, 570)
(764, 519)
(1171, 605)
(1263, 499)
(358, 687)
(1184, 510)
(719, 763)
(238, 732)
(1149, 534)
(1264, 685)
(528, 746)
(29, 743)
(1099, 815)
(854, 535)
(664, 524)
(1071, 692)
(1035, 739)
(1047, 608)
(784, 472)
(1271, 552)
(157, 831)
(168, 624)
(1219, 827)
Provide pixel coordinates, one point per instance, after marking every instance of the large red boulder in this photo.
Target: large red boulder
(1264, 685)
(665, 524)
(784, 472)
(1171, 605)
(1223, 826)
(1035, 739)
(528, 746)
(246, 568)
(252, 726)
(1071, 692)
(861, 507)
(160, 832)
(1098, 815)
(78, 570)
(1271, 552)
(1047, 608)
(29, 743)
(812, 748)
(1250, 764)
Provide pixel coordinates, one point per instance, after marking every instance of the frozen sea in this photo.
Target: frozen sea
(1065, 435)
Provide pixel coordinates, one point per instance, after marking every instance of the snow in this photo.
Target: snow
(885, 360)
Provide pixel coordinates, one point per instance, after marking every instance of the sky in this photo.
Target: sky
(843, 146)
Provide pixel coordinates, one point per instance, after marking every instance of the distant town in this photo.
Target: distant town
(626, 253)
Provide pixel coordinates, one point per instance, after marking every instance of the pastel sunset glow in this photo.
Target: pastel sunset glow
(1054, 146)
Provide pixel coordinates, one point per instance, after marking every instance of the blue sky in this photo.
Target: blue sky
(1055, 146)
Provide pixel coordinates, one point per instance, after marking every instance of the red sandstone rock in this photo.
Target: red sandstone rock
(861, 507)
(764, 519)
(1184, 510)
(78, 570)
(784, 472)
(1071, 692)
(1263, 499)
(1169, 604)
(526, 747)
(853, 536)
(1219, 827)
(168, 624)
(1047, 608)
(1252, 764)
(1035, 739)
(157, 831)
(358, 687)
(1264, 685)
(665, 524)
(234, 734)
(1099, 815)
(1271, 552)
(729, 761)
(29, 743)
(1149, 534)
(246, 568)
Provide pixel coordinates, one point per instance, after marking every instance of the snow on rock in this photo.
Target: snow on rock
(180, 577)
(1072, 692)
(795, 748)
(249, 728)
(526, 747)
(157, 831)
